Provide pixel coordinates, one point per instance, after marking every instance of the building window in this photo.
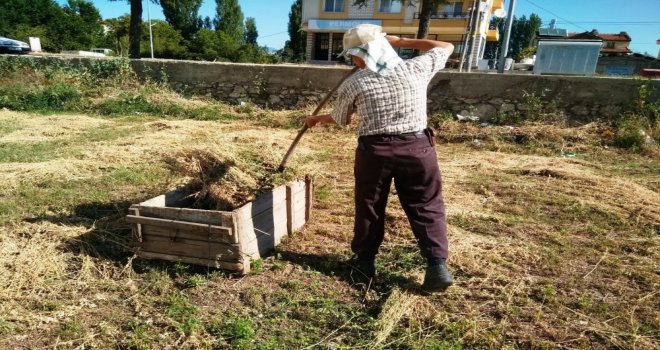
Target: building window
(453, 9)
(609, 44)
(390, 6)
(334, 5)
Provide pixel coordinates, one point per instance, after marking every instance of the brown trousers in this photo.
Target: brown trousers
(410, 160)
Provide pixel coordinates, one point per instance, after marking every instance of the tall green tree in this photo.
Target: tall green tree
(294, 48)
(87, 20)
(76, 26)
(29, 13)
(229, 19)
(427, 8)
(207, 23)
(183, 15)
(168, 42)
(251, 33)
(521, 41)
(135, 30)
(117, 36)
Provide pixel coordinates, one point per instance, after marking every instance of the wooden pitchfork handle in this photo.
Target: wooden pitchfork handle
(305, 127)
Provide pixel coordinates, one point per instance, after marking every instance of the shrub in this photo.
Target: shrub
(630, 135)
(58, 97)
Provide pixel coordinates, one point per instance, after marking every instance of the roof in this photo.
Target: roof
(552, 32)
(622, 36)
(612, 50)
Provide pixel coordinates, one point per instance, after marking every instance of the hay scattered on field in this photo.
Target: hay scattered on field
(397, 306)
(43, 128)
(591, 133)
(624, 198)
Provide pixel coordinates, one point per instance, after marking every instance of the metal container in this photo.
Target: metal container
(570, 57)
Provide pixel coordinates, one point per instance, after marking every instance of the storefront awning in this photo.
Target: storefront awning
(339, 24)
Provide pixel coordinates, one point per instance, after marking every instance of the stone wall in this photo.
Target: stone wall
(583, 98)
(481, 94)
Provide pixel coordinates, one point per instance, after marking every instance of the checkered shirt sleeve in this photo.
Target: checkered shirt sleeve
(390, 104)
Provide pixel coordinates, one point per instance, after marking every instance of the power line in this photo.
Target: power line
(266, 36)
(620, 23)
(556, 15)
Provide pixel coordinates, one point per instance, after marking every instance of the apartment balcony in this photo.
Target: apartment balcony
(498, 4)
(445, 15)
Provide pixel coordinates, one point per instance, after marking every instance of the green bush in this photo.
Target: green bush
(629, 135)
(130, 104)
(55, 98)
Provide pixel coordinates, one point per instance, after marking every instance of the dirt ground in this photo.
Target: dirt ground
(553, 242)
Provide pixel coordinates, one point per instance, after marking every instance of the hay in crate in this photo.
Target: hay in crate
(223, 218)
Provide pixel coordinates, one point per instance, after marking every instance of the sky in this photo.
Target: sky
(640, 18)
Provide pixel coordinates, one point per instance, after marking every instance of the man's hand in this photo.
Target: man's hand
(418, 44)
(393, 40)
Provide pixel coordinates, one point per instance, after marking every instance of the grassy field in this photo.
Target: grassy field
(554, 241)
(554, 229)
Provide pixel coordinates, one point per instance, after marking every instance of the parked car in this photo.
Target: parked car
(13, 46)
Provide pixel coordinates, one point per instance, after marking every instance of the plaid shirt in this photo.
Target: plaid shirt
(392, 104)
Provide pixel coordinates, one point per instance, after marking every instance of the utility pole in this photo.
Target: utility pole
(151, 36)
(507, 36)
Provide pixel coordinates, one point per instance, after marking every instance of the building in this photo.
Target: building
(613, 44)
(325, 22)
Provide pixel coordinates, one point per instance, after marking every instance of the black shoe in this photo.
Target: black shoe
(365, 267)
(437, 278)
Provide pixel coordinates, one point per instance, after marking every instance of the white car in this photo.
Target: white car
(13, 46)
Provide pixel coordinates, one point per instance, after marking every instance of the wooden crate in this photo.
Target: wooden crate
(165, 229)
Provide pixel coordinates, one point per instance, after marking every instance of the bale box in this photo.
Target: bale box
(166, 228)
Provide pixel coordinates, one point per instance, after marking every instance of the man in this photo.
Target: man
(389, 96)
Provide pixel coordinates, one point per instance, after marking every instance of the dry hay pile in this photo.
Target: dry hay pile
(216, 182)
(226, 182)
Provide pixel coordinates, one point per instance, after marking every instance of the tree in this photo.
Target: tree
(168, 42)
(523, 32)
(117, 36)
(135, 30)
(294, 48)
(251, 33)
(87, 22)
(76, 26)
(182, 15)
(207, 23)
(206, 44)
(427, 9)
(229, 19)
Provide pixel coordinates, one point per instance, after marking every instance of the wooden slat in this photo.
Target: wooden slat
(241, 267)
(297, 211)
(309, 194)
(180, 225)
(169, 199)
(289, 209)
(212, 217)
(190, 248)
(265, 201)
(298, 217)
(137, 228)
(170, 233)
